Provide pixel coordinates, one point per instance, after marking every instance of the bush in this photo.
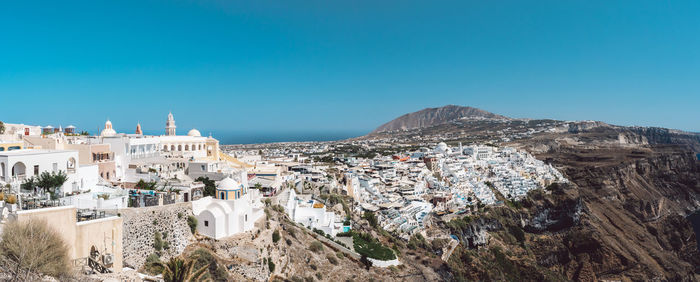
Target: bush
(32, 249)
(192, 222)
(158, 242)
(275, 236)
(215, 271)
(316, 246)
(271, 265)
(332, 259)
(366, 262)
(292, 231)
(344, 234)
(367, 246)
(371, 218)
(153, 265)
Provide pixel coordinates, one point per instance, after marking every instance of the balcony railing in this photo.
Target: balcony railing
(18, 177)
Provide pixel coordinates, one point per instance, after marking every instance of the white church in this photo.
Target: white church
(227, 216)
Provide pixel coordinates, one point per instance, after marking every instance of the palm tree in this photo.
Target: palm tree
(181, 270)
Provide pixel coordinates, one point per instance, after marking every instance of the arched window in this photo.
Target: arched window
(187, 147)
(165, 148)
(172, 147)
(179, 148)
(19, 169)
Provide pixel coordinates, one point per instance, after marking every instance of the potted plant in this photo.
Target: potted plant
(11, 203)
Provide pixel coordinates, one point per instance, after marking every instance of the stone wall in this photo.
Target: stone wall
(141, 224)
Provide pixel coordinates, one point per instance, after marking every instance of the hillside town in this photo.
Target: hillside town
(102, 184)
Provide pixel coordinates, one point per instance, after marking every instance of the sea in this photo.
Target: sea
(231, 137)
(695, 221)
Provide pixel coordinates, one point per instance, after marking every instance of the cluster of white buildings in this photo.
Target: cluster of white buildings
(405, 189)
(113, 171)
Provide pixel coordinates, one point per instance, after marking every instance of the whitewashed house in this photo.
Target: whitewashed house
(220, 218)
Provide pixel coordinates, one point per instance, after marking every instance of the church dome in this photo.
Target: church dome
(108, 131)
(441, 147)
(228, 184)
(194, 132)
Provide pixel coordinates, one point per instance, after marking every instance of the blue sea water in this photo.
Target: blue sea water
(271, 137)
(228, 137)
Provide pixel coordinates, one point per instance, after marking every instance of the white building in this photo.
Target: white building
(223, 218)
(128, 148)
(312, 216)
(19, 165)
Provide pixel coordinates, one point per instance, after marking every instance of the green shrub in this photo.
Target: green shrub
(158, 242)
(367, 246)
(316, 246)
(216, 272)
(271, 265)
(152, 265)
(332, 259)
(371, 218)
(292, 231)
(192, 222)
(275, 236)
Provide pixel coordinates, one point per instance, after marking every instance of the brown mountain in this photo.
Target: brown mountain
(434, 116)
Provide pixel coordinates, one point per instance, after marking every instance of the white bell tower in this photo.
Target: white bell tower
(170, 125)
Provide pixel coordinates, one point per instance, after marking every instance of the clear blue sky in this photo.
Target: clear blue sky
(346, 65)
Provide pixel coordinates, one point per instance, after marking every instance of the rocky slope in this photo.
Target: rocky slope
(435, 116)
(622, 217)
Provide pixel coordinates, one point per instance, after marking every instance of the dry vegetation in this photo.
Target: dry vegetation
(30, 250)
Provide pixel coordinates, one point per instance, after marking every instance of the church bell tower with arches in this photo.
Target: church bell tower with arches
(170, 125)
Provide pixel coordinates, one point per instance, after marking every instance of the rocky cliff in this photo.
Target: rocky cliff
(620, 218)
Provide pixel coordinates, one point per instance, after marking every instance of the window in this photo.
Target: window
(221, 195)
(206, 223)
(204, 168)
(36, 170)
(246, 218)
(55, 167)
